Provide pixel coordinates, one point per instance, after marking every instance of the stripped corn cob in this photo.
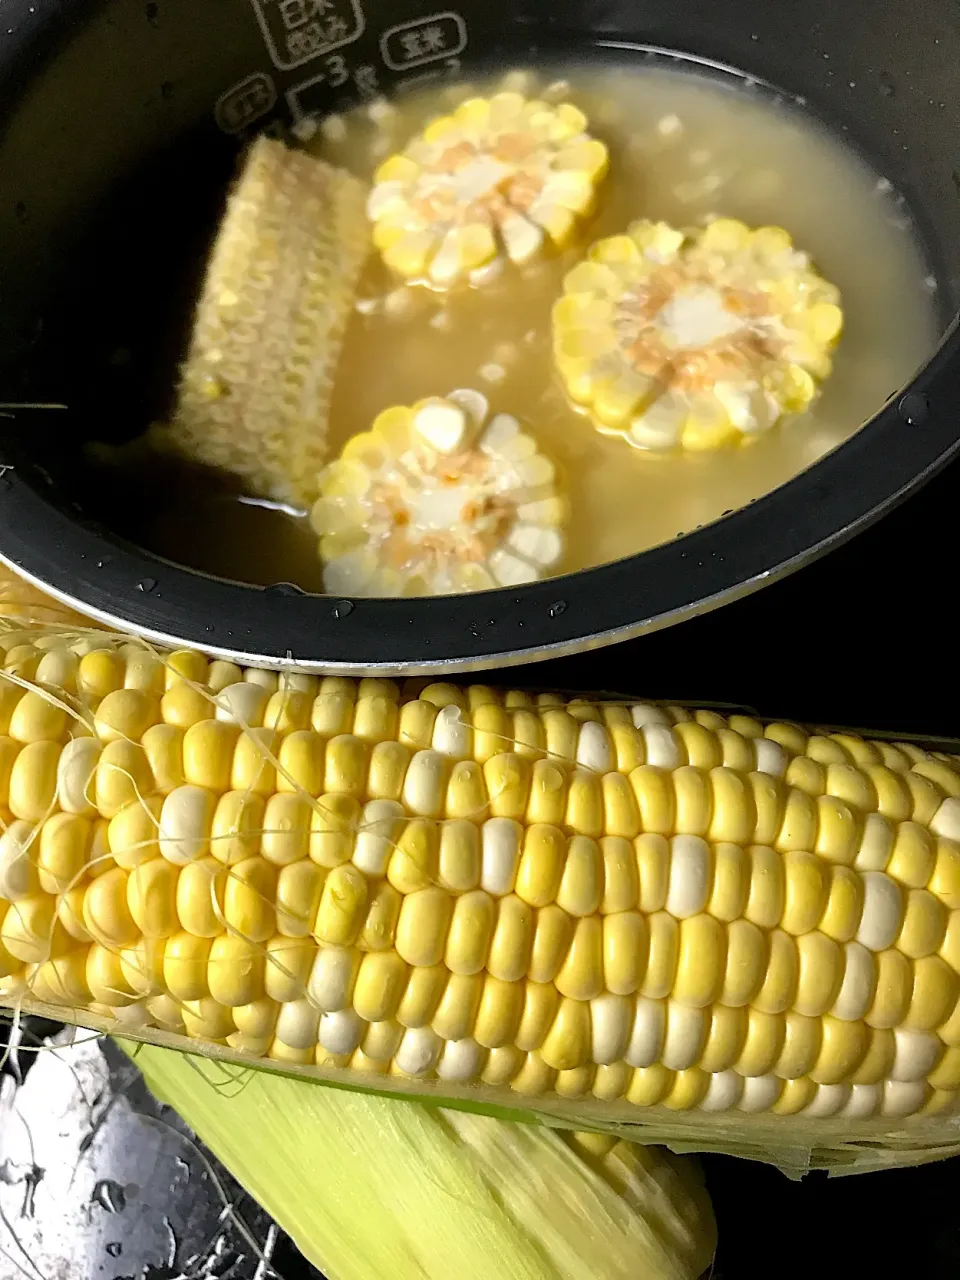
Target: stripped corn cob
(482, 895)
(435, 499)
(694, 339)
(500, 178)
(256, 386)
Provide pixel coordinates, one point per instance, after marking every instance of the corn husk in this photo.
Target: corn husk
(369, 1187)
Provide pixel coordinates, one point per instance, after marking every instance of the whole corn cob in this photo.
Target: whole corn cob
(607, 912)
(256, 385)
(371, 1187)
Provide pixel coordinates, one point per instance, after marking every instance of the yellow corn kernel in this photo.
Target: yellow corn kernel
(342, 907)
(123, 776)
(796, 1095)
(626, 741)
(185, 665)
(700, 964)
(653, 871)
(562, 732)
(701, 746)
(492, 731)
(801, 1046)
(841, 916)
(649, 1085)
(849, 784)
(934, 995)
(567, 1043)
(763, 1043)
(877, 1062)
(414, 863)
(33, 781)
(825, 750)
(288, 711)
(733, 816)
(843, 1047)
(576, 1083)
(182, 705)
(200, 898)
(540, 1003)
(746, 964)
(926, 798)
(894, 988)
(548, 794)
(938, 771)
(345, 766)
(332, 713)
(381, 1041)
(459, 857)
(542, 862)
(380, 985)
(798, 830)
(152, 898)
(738, 754)
(287, 823)
(417, 720)
(499, 1013)
(914, 855)
(29, 931)
(945, 880)
(790, 736)
(380, 923)
(893, 796)
(163, 746)
(508, 777)
(662, 956)
(106, 915)
(106, 979)
(248, 899)
(947, 1074)
(206, 1019)
(724, 1039)
(581, 886)
(655, 799)
(924, 925)
(62, 854)
(100, 672)
(208, 749)
(457, 1010)
(253, 770)
(235, 831)
(950, 947)
(819, 974)
(302, 763)
(626, 945)
(529, 739)
(512, 939)
(388, 768)
(467, 792)
(36, 719)
(768, 800)
(62, 980)
(621, 882)
(779, 988)
(610, 1082)
(766, 896)
(806, 890)
(731, 882)
(470, 933)
(581, 974)
(70, 913)
(806, 775)
(621, 815)
(133, 834)
(235, 971)
(425, 989)
(185, 960)
(333, 829)
(693, 799)
(142, 966)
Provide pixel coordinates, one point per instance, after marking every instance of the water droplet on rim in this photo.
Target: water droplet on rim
(914, 408)
(343, 608)
(557, 608)
(147, 585)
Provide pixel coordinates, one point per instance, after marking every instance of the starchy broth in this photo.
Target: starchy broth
(683, 148)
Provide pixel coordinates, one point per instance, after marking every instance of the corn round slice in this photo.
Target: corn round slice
(255, 389)
(439, 498)
(500, 178)
(694, 339)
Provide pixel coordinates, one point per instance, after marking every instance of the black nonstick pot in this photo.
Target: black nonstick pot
(121, 125)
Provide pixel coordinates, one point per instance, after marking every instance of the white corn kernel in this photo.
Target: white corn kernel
(611, 1019)
(759, 1092)
(689, 885)
(185, 822)
(859, 983)
(242, 703)
(646, 1035)
(419, 1050)
(452, 737)
(501, 855)
(461, 1060)
(331, 978)
(771, 758)
(661, 746)
(297, 1024)
(380, 824)
(916, 1054)
(723, 1092)
(593, 747)
(901, 1098)
(341, 1032)
(882, 911)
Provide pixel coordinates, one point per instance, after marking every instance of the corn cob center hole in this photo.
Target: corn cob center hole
(680, 150)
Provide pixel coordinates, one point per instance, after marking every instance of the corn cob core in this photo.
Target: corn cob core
(694, 339)
(255, 389)
(454, 885)
(501, 178)
(437, 499)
